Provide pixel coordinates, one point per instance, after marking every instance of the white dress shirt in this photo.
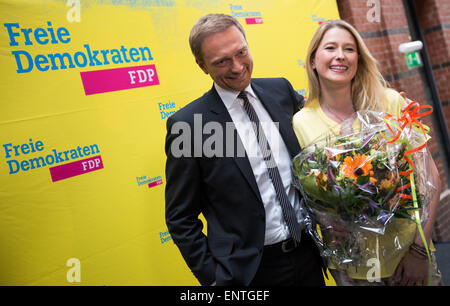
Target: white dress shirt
(276, 227)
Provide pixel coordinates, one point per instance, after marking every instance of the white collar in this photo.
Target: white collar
(229, 97)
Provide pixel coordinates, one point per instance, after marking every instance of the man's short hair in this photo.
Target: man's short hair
(208, 25)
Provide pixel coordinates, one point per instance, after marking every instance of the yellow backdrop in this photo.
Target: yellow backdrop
(86, 88)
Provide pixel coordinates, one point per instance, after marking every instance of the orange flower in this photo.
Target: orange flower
(386, 184)
(321, 178)
(356, 166)
(372, 179)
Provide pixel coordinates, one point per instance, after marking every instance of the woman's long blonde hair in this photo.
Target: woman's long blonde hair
(368, 84)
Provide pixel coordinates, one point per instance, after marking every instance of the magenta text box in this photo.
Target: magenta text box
(76, 168)
(101, 81)
(257, 20)
(155, 183)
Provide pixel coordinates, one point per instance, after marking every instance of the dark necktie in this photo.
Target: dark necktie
(274, 174)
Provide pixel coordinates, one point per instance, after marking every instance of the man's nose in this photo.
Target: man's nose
(236, 65)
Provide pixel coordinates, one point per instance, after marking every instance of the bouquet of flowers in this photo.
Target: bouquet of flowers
(358, 190)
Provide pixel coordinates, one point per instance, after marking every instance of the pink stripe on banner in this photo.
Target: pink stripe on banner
(100, 81)
(155, 183)
(76, 168)
(257, 20)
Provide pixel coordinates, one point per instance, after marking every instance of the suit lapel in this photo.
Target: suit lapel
(217, 107)
(279, 116)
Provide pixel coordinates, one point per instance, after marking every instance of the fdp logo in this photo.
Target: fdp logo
(250, 17)
(149, 181)
(32, 155)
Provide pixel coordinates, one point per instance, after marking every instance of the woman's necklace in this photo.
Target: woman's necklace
(335, 115)
(346, 125)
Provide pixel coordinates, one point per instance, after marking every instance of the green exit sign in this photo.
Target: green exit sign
(413, 59)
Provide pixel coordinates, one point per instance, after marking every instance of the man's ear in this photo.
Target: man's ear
(202, 66)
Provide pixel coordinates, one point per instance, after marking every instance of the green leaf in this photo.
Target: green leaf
(361, 180)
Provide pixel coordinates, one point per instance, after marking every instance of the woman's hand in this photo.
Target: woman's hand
(408, 101)
(337, 231)
(411, 271)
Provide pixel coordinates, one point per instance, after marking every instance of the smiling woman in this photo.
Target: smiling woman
(336, 63)
(336, 58)
(344, 78)
(367, 86)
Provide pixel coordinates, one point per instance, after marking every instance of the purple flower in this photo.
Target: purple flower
(330, 175)
(373, 204)
(368, 187)
(338, 189)
(366, 141)
(365, 218)
(383, 217)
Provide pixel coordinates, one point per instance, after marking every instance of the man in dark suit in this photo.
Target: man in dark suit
(228, 158)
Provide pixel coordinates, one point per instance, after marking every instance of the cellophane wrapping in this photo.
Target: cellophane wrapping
(354, 190)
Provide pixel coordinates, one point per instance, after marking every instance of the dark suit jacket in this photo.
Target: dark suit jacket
(223, 189)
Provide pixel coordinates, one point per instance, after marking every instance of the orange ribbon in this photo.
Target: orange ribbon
(409, 118)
